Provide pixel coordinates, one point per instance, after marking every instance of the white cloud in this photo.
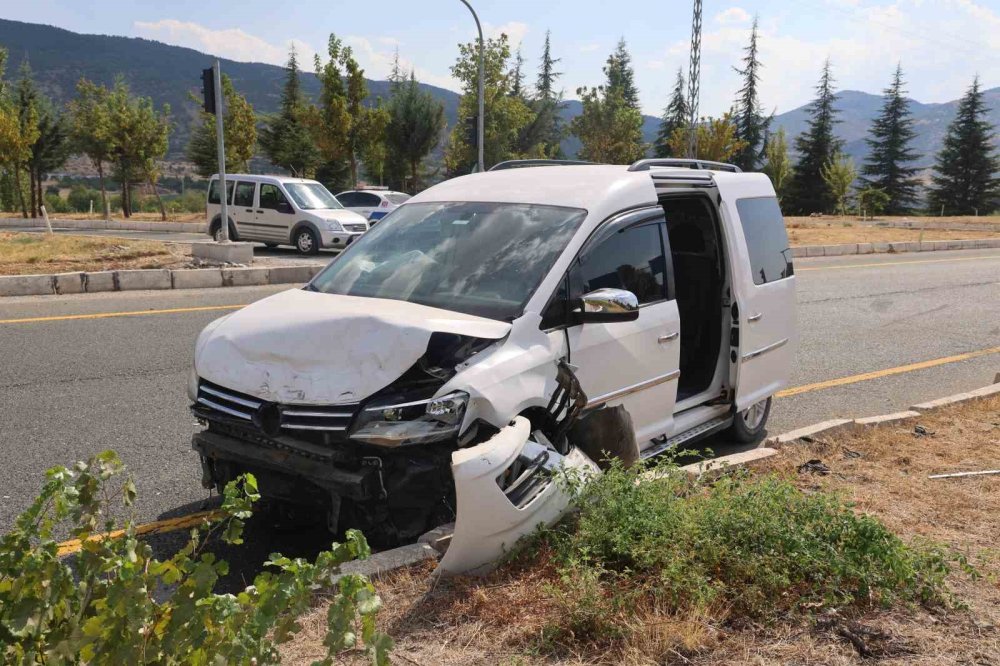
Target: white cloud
(937, 63)
(377, 63)
(515, 31)
(232, 43)
(589, 47)
(732, 15)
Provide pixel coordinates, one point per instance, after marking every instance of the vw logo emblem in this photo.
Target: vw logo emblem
(268, 419)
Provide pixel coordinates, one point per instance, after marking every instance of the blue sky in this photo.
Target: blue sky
(941, 43)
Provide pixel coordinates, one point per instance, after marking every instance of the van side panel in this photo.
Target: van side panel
(764, 293)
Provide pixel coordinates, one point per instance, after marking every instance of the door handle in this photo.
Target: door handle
(668, 337)
(249, 210)
(260, 211)
(756, 317)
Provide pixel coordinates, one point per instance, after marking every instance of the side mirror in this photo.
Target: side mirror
(284, 207)
(606, 305)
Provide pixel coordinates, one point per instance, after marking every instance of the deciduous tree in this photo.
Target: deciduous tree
(777, 167)
(239, 131)
(839, 175)
(90, 129)
(965, 181)
(505, 114)
(717, 139)
(610, 124)
(888, 165)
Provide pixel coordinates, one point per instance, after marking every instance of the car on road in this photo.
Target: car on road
(373, 204)
(497, 327)
(277, 210)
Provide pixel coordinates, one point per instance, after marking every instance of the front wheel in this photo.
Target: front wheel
(306, 241)
(748, 425)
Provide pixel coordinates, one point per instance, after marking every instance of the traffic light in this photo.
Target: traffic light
(472, 131)
(208, 89)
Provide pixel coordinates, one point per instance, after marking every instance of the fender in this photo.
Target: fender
(304, 223)
(234, 234)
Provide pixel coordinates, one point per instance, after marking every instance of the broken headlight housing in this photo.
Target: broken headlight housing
(391, 423)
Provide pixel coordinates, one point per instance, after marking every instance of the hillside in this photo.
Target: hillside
(167, 74)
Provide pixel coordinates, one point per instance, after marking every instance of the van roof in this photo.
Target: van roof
(267, 178)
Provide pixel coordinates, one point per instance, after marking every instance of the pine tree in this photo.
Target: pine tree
(751, 123)
(548, 104)
(285, 138)
(890, 135)
(816, 147)
(965, 181)
(621, 78)
(416, 121)
(517, 78)
(675, 117)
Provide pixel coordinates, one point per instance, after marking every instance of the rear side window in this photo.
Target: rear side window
(213, 191)
(767, 240)
(630, 259)
(244, 194)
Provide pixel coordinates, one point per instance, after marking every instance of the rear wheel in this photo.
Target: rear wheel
(748, 425)
(306, 241)
(217, 232)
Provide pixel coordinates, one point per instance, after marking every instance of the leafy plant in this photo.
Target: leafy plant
(736, 547)
(112, 602)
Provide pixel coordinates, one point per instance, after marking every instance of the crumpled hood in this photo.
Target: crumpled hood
(311, 348)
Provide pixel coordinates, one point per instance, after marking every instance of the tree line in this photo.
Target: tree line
(343, 136)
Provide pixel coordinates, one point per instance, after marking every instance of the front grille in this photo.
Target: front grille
(355, 228)
(327, 418)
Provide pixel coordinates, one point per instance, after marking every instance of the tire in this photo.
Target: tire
(748, 425)
(217, 232)
(306, 241)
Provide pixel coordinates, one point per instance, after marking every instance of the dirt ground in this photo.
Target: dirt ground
(916, 221)
(34, 254)
(833, 231)
(500, 619)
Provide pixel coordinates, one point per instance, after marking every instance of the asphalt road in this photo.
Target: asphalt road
(72, 387)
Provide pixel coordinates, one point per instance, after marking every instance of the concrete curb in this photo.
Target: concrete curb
(978, 394)
(388, 560)
(894, 247)
(92, 225)
(157, 278)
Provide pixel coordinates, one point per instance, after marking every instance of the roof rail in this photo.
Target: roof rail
(520, 164)
(644, 165)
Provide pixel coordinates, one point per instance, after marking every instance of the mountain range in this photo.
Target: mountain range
(170, 74)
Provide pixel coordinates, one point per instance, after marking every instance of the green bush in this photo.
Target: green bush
(189, 202)
(114, 603)
(80, 198)
(739, 547)
(55, 204)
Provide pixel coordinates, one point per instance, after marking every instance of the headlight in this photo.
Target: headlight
(333, 225)
(418, 422)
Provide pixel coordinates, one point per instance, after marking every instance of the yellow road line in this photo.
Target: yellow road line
(157, 527)
(893, 263)
(878, 374)
(135, 313)
(191, 520)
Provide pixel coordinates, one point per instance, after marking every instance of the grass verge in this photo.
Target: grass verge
(35, 253)
(773, 566)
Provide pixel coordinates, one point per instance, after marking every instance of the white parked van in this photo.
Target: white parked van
(276, 210)
(494, 327)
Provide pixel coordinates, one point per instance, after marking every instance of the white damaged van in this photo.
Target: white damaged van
(497, 326)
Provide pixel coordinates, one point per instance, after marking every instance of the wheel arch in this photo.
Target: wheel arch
(298, 227)
(233, 229)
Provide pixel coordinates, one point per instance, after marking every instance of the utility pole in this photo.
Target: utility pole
(482, 47)
(221, 145)
(694, 80)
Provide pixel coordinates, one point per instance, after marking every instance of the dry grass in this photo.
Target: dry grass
(500, 619)
(911, 219)
(33, 254)
(117, 217)
(837, 233)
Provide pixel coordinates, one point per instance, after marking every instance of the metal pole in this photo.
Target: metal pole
(221, 144)
(479, 130)
(694, 80)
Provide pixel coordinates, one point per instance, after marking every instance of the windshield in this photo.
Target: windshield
(483, 259)
(397, 197)
(311, 196)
